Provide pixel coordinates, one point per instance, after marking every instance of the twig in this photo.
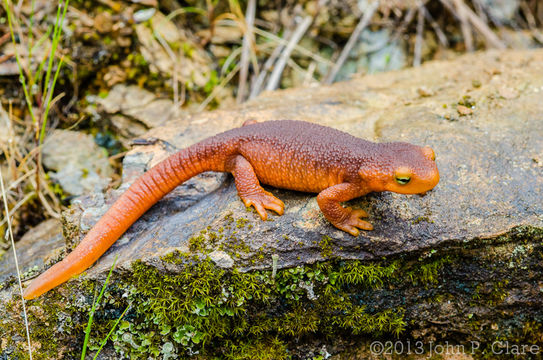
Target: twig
(6, 57)
(298, 48)
(351, 42)
(440, 34)
(273, 81)
(480, 10)
(418, 40)
(491, 39)
(309, 73)
(218, 88)
(405, 23)
(257, 85)
(464, 24)
(532, 23)
(176, 66)
(5, 200)
(247, 42)
(4, 38)
(20, 203)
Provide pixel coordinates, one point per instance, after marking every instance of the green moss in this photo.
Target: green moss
(216, 313)
(467, 101)
(257, 313)
(54, 322)
(240, 223)
(422, 219)
(427, 272)
(326, 247)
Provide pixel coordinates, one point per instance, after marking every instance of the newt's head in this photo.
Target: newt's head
(405, 169)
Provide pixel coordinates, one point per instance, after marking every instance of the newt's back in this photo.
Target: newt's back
(299, 155)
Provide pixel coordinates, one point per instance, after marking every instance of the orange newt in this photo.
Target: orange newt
(293, 155)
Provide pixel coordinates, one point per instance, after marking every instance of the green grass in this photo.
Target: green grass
(29, 79)
(40, 97)
(91, 318)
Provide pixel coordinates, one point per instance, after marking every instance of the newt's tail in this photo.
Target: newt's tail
(132, 204)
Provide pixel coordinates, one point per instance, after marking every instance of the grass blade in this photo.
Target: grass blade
(111, 332)
(48, 100)
(22, 78)
(5, 200)
(94, 305)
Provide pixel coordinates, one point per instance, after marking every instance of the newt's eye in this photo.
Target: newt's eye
(402, 180)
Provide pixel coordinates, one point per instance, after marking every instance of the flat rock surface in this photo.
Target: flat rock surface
(490, 160)
(36, 248)
(78, 164)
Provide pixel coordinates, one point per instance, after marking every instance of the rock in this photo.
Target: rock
(9, 67)
(39, 246)
(423, 91)
(521, 39)
(80, 165)
(462, 263)
(501, 11)
(464, 110)
(374, 53)
(223, 34)
(221, 259)
(508, 93)
(143, 15)
(404, 224)
(134, 110)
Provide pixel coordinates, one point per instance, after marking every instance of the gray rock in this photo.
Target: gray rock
(80, 165)
(493, 156)
(135, 109)
(375, 52)
(221, 259)
(501, 11)
(38, 247)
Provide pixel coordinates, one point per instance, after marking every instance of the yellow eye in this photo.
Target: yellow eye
(402, 175)
(402, 180)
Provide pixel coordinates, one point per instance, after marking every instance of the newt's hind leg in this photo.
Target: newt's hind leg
(249, 189)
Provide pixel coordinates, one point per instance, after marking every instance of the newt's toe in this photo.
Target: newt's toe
(353, 223)
(263, 201)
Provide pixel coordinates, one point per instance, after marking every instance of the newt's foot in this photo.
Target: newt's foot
(262, 201)
(353, 222)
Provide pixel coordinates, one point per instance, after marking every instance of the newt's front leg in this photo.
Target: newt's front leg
(345, 219)
(249, 189)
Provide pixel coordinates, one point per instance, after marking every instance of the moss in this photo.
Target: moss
(256, 312)
(422, 219)
(240, 223)
(56, 323)
(209, 312)
(326, 247)
(467, 101)
(427, 272)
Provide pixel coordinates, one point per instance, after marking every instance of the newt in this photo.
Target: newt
(294, 155)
